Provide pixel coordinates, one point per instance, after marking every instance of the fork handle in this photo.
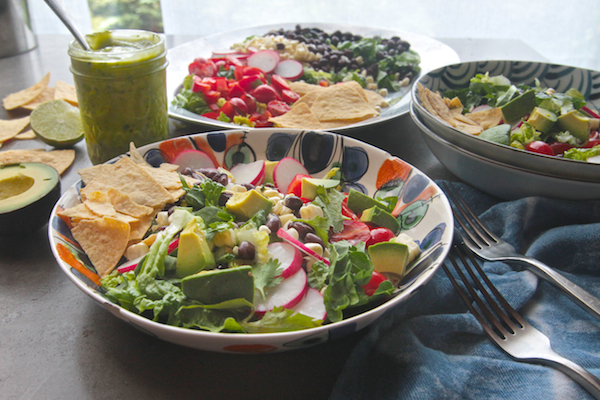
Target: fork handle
(581, 297)
(576, 372)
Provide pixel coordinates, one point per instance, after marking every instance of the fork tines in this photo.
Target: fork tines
(468, 221)
(492, 318)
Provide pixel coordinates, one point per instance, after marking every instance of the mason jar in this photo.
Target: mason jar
(121, 90)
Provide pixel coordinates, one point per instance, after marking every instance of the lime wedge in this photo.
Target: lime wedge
(57, 123)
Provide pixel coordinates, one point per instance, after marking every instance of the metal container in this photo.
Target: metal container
(16, 35)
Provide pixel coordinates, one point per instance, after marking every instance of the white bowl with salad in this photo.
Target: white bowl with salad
(279, 239)
(540, 117)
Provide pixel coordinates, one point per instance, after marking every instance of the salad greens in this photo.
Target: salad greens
(562, 139)
(154, 289)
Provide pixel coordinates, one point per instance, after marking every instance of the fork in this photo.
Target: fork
(509, 330)
(490, 247)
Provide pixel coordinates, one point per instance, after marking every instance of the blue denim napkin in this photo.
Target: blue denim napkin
(431, 347)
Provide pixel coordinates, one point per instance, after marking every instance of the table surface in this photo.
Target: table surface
(56, 343)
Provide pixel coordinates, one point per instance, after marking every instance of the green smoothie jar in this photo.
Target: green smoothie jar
(121, 89)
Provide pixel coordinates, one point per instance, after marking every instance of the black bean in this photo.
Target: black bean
(246, 251)
(273, 222)
(313, 238)
(303, 228)
(221, 178)
(248, 186)
(380, 55)
(280, 46)
(224, 197)
(335, 40)
(187, 171)
(293, 202)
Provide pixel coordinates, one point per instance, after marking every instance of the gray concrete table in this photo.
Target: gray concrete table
(56, 343)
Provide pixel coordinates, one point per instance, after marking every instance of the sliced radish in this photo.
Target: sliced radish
(482, 107)
(173, 245)
(286, 294)
(266, 60)
(129, 265)
(285, 171)
(591, 112)
(299, 245)
(312, 305)
(289, 257)
(224, 52)
(289, 69)
(194, 159)
(253, 173)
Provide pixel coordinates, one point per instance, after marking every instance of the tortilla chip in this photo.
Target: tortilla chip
(136, 157)
(123, 204)
(99, 203)
(78, 212)
(104, 240)
(176, 194)
(375, 99)
(60, 160)
(299, 116)
(302, 88)
(356, 86)
(25, 96)
(66, 92)
(139, 227)
(169, 167)
(339, 123)
(424, 94)
(131, 179)
(30, 134)
(10, 128)
(487, 118)
(308, 99)
(90, 173)
(341, 102)
(46, 95)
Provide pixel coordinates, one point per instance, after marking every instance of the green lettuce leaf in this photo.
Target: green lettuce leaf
(281, 320)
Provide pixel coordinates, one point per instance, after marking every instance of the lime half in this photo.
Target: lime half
(57, 123)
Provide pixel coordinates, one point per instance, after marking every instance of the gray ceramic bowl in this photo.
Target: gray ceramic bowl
(499, 179)
(559, 77)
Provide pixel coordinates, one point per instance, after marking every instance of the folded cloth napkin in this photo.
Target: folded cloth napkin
(431, 347)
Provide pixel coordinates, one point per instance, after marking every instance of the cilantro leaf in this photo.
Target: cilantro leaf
(212, 191)
(265, 276)
(331, 203)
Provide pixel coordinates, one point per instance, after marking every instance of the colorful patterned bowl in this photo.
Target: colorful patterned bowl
(426, 216)
(559, 77)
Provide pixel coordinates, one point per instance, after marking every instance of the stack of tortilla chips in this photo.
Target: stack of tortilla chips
(450, 111)
(120, 202)
(328, 107)
(29, 99)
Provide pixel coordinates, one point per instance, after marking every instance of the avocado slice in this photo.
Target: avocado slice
(519, 106)
(245, 205)
(498, 134)
(219, 285)
(541, 119)
(577, 124)
(310, 185)
(28, 192)
(391, 257)
(358, 202)
(380, 217)
(193, 252)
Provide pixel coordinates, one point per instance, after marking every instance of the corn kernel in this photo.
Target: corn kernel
(316, 247)
(162, 219)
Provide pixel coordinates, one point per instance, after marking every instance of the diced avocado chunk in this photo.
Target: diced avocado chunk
(193, 251)
(380, 217)
(498, 134)
(519, 106)
(577, 124)
(390, 257)
(269, 167)
(541, 119)
(310, 185)
(358, 202)
(219, 285)
(245, 205)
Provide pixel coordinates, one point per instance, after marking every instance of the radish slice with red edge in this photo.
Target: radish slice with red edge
(312, 305)
(286, 294)
(266, 60)
(289, 69)
(173, 245)
(253, 173)
(194, 159)
(299, 245)
(482, 107)
(588, 110)
(285, 171)
(129, 265)
(289, 257)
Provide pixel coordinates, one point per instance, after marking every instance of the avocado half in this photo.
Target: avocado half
(28, 192)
